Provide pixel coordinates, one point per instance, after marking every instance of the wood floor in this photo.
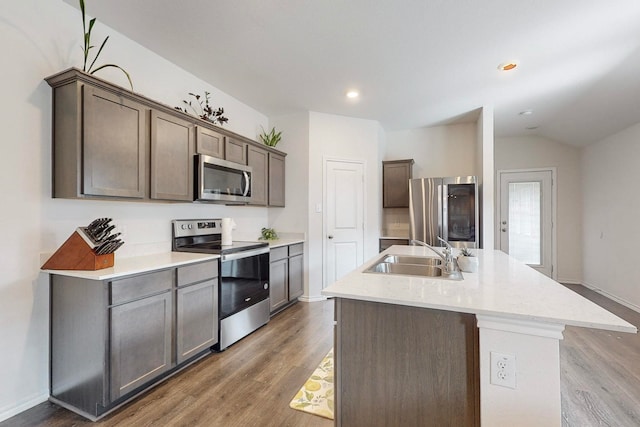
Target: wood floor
(600, 371)
(252, 383)
(249, 384)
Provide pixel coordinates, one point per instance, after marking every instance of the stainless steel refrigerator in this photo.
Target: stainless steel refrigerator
(446, 208)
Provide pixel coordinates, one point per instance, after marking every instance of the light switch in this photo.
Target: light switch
(318, 207)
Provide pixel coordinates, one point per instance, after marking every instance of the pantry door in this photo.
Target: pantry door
(343, 218)
(526, 217)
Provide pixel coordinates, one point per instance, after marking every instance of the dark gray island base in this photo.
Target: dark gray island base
(397, 365)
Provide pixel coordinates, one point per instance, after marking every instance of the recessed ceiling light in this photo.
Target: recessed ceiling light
(507, 66)
(526, 113)
(353, 94)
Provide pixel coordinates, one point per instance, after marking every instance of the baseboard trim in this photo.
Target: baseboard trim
(305, 298)
(569, 281)
(611, 296)
(10, 411)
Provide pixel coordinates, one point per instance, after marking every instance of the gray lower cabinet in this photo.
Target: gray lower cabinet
(111, 339)
(140, 341)
(296, 276)
(278, 283)
(196, 309)
(286, 276)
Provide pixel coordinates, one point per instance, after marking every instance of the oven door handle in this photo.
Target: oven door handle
(244, 254)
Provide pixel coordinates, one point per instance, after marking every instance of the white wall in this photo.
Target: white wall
(437, 151)
(345, 138)
(39, 38)
(294, 218)
(611, 224)
(486, 176)
(538, 152)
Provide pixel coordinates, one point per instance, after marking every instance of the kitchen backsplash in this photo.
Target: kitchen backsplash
(395, 222)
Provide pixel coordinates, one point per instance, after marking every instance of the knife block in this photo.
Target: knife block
(77, 254)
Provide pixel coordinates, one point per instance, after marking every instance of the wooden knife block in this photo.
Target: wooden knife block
(76, 254)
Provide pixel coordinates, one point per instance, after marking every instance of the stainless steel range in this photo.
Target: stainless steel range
(244, 276)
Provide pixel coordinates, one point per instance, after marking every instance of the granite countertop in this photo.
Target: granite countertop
(502, 287)
(138, 264)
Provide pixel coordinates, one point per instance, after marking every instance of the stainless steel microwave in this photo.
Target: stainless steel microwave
(221, 181)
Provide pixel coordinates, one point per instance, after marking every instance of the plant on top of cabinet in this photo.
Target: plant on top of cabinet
(204, 111)
(87, 47)
(272, 138)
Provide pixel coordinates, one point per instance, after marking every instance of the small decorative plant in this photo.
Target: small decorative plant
(268, 234)
(88, 46)
(272, 138)
(467, 261)
(204, 110)
(465, 252)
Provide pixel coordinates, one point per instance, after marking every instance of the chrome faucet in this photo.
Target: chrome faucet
(450, 264)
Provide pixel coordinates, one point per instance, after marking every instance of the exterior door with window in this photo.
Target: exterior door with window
(526, 217)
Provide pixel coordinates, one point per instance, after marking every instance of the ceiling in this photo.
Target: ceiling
(416, 63)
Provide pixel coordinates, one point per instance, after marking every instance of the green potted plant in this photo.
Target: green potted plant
(271, 138)
(86, 48)
(268, 234)
(467, 261)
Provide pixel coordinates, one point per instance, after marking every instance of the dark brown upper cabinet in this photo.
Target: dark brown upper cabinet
(172, 149)
(209, 142)
(395, 183)
(258, 159)
(235, 150)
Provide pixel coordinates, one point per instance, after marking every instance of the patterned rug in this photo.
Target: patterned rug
(316, 395)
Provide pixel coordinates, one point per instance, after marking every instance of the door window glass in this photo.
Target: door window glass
(525, 221)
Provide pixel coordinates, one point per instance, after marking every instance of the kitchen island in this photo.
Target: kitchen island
(433, 343)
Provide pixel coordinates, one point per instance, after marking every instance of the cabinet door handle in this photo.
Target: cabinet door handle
(330, 236)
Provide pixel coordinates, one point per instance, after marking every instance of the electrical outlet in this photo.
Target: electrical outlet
(503, 369)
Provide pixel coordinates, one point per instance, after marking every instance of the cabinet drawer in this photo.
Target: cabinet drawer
(197, 272)
(140, 286)
(296, 249)
(276, 254)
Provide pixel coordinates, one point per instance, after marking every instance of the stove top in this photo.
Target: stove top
(205, 236)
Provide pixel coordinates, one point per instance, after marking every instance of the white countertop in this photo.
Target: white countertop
(283, 242)
(139, 264)
(502, 287)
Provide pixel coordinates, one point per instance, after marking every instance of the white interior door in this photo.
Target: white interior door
(526, 217)
(344, 218)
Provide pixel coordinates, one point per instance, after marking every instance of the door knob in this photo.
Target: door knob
(504, 230)
(330, 236)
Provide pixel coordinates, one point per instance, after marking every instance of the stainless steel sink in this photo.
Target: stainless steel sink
(405, 269)
(407, 265)
(403, 259)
